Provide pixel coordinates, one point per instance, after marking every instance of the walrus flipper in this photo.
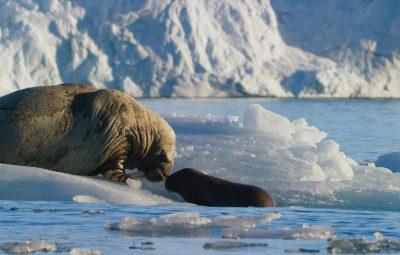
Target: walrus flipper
(116, 175)
(114, 169)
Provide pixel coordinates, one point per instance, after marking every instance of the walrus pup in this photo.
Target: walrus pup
(198, 188)
(77, 129)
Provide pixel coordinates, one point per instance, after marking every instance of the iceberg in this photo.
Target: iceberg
(202, 49)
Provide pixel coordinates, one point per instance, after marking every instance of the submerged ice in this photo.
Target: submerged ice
(175, 222)
(227, 226)
(363, 245)
(292, 160)
(28, 247)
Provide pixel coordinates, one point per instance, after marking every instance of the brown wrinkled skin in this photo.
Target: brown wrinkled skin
(198, 188)
(77, 129)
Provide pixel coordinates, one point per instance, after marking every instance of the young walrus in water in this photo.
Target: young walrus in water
(81, 130)
(199, 188)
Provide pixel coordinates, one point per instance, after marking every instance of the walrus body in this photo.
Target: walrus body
(77, 129)
(201, 189)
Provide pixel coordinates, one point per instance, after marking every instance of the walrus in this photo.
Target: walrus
(80, 130)
(199, 188)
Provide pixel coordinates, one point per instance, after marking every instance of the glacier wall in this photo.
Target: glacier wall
(212, 48)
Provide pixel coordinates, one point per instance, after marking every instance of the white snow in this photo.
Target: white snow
(219, 48)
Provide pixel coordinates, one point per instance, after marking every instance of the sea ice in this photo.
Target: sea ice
(360, 246)
(28, 246)
(244, 222)
(304, 233)
(84, 251)
(167, 223)
(134, 184)
(176, 223)
(223, 245)
(39, 184)
(87, 199)
(257, 118)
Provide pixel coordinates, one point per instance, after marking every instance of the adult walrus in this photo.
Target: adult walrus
(77, 129)
(199, 188)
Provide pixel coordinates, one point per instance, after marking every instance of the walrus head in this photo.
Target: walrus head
(159, 160)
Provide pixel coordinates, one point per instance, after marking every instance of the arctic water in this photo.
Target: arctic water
(320, 169)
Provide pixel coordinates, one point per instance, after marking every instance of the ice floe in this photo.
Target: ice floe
(181, 222)
(28, 247)
(84, 251)
(363, 245)
(304, 233)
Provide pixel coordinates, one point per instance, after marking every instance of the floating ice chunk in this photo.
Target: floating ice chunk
(381, 244)
(301, 250)
(87, 199)
(28, 246)
(222, 245)
(257, 118)
(245, 222)
(176, 223)
(84, 251)
(92, 212)
(304, 233)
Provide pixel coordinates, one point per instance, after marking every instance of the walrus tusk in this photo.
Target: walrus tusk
(137, 175)
(134, 184)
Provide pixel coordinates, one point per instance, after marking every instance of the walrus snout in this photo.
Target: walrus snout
(157, 175)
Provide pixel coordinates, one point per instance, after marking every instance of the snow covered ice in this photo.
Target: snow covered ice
(29, 183)
(195, 48)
